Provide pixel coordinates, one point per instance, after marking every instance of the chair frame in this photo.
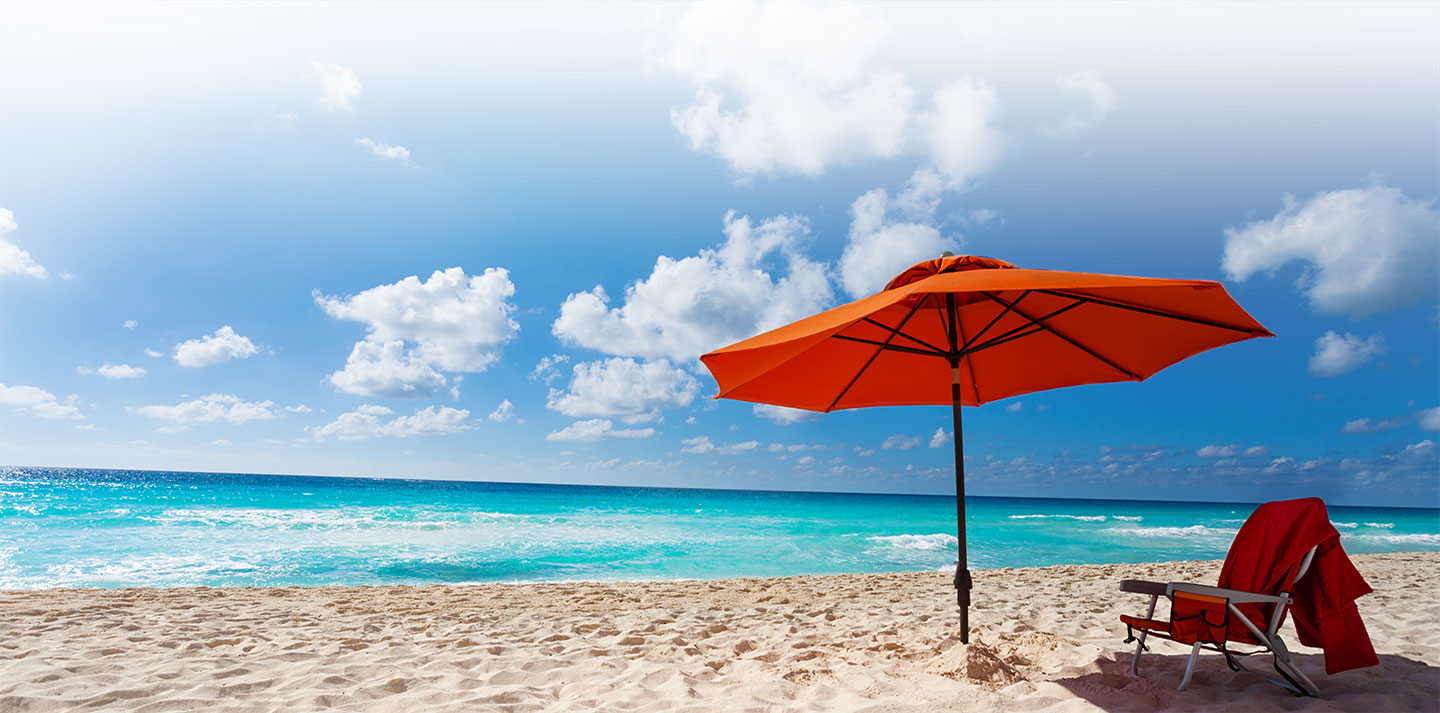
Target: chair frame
(1295, 680)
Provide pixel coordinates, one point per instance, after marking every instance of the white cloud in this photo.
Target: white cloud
(887, 236)
(1366, 425)
(364, 422)
(1367, 250)
(623, 388)
(787, 87)
(385, 369)
(457, 324)
(39, 402)
(597, 429)
(941, 437)
(504, 412)
(1094, 98)
(386, 151)
(901, 442)
(1015, 407)
(805, 460)
(1422, 452)
(339, 86)
(1218, 451)
(1430, 419)
(13, 260)
(690, 306)
(113, 371)
(702, 445)
(226, 408)
(1337, 354)
(782, 415)
(297, 408)
(153, 354)
(964, 140)
(130, 324)
(547, 370)
(1255, 452)
(217, 348)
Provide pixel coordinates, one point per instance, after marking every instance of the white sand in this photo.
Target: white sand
(1048, 640)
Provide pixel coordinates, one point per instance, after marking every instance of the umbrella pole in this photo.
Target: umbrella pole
(962, 566)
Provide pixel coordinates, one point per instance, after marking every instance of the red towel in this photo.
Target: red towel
(1264, 558)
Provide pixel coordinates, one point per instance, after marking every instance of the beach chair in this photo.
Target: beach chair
(1202, 616)
(1286, 559)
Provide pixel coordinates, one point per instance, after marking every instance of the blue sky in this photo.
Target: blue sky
(489, 241)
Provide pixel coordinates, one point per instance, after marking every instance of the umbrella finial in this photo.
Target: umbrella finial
(947, 253)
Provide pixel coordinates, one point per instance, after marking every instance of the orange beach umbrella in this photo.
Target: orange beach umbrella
(967, 330)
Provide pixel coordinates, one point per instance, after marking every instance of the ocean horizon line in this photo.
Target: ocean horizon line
(951, 496)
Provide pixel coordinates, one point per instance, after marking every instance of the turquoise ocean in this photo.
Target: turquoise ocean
(64, 527)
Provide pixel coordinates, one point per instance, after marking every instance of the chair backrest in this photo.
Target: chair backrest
(1272, 551)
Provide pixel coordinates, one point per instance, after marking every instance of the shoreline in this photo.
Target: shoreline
(676, 580)
(1045, 638)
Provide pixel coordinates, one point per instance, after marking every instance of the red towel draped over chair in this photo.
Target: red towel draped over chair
(1263, 559)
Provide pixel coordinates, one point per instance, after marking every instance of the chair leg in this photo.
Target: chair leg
(1190, 668)
(1301, 683)
(1135, 661)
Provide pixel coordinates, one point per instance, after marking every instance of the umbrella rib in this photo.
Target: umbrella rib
(888, 347)
(997, 318)
(1012, 335)
(1151, 311)
(893, 333)
(1072, 342)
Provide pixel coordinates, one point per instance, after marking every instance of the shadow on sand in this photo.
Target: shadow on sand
(1396, 684)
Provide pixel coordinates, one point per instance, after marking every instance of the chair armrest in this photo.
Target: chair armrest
(1234, 595)
(1140, 586)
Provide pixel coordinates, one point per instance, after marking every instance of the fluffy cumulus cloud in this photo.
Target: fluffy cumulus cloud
(1366, 250)
(634, 392)
(1426, 419)
(1430, 419)
(1233, 450)
(888, 234)
(1337, 354)
(386, 151)
(40, 403)
(702, 445)
(596, 429)
(689, 306)
(1217, 451)
(13, 260)
(366, 422)
(783, 416)
(339, 86)
(451, 322)
(215, 408)
(1367, 425)
(113, 371)
(901, 442)
(787, 87)
(548, 368)
(387, 369)
(504, 412)
(1091, 98)
(941, 438)
(217, 348)
(962, 132)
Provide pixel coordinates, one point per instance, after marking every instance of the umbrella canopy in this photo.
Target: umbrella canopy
(966, 330)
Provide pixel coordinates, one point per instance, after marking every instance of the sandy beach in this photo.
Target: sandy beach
(1044, 639)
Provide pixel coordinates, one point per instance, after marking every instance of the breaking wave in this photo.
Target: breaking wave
(917, 542)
